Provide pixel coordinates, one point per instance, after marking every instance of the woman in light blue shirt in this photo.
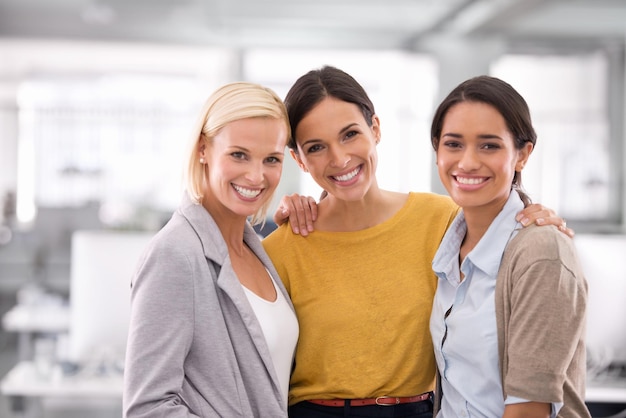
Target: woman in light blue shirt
(508, 317)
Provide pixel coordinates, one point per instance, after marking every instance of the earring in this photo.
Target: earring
(201, 160)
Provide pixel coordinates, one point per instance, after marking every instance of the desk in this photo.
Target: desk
(23, 318)
(609, 390)
(25, 387)
(29, 320)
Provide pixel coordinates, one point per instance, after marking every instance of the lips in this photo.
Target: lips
(247, 193)
(347, 176)
(472, 181)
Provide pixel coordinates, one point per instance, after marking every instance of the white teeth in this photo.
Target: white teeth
(464, 180)
(348, 176)
(247, 193)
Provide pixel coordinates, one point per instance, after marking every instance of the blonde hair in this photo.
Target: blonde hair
(229, 103)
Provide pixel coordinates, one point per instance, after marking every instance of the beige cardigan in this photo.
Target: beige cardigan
(541, 297)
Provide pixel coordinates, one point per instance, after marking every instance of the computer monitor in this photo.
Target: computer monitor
(602, 258)
(102, 264)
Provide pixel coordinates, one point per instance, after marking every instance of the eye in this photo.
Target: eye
(491, 146)
(314, 148)
(351, 134)
(273, 160)
(238, 155)
(452, 144)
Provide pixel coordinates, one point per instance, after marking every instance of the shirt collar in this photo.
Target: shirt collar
(488, 252)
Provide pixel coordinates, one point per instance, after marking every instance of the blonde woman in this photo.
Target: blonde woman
(212, 330)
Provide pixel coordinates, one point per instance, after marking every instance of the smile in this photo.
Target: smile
(348, 176)
(470, 180)
(247, 193)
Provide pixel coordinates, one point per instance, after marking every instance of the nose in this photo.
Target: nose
(469, 160)
(339, 158)
(255, 173)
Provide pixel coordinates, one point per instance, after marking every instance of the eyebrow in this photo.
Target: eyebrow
(481, 136)
(341, 131)
(348, 127)
(237, 148)
(244, 149)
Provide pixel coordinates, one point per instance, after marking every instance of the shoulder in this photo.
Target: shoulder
(433, 200)
(176, 257)
(433, 210)
(177, 246)
(278, 237)
(542, 244)
(177, 233)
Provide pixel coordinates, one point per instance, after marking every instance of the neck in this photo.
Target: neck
(343, 215)
(478, 220)
(230, 225)
(475, 230)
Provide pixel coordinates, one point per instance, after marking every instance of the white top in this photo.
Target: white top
(280, 327)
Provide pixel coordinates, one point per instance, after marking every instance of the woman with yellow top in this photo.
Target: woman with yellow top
(362, 283)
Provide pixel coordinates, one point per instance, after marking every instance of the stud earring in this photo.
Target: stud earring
(201, 160)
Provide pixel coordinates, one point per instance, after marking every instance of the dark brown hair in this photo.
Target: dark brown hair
(506, 100)
(316, 85)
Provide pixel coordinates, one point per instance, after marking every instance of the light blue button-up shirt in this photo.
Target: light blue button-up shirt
(468, 357)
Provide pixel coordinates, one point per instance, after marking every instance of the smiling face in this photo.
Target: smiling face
(338, 148)
(243, 165)
(477, 158)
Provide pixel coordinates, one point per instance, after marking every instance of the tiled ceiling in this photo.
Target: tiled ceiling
(309, 23)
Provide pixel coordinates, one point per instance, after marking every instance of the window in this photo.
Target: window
(115, 140)
(574, 168)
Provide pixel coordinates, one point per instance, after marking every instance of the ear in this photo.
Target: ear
(201, 147)
(376, 128)
(296, 157)
(523, 156)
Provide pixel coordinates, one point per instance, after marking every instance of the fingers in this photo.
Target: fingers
(281, 215)
(302, 216)
(301, 211)
(567, 231)
(541, 215)
(560, 223)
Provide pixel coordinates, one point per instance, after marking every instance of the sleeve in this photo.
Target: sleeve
(160, 335)
(547, 320)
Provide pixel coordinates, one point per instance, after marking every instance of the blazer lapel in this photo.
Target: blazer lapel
(216, 253)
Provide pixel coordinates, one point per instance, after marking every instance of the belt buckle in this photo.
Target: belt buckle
(387, 404)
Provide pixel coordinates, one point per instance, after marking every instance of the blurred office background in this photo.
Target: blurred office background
(97, 98)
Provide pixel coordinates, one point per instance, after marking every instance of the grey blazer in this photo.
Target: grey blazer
(195, 347)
